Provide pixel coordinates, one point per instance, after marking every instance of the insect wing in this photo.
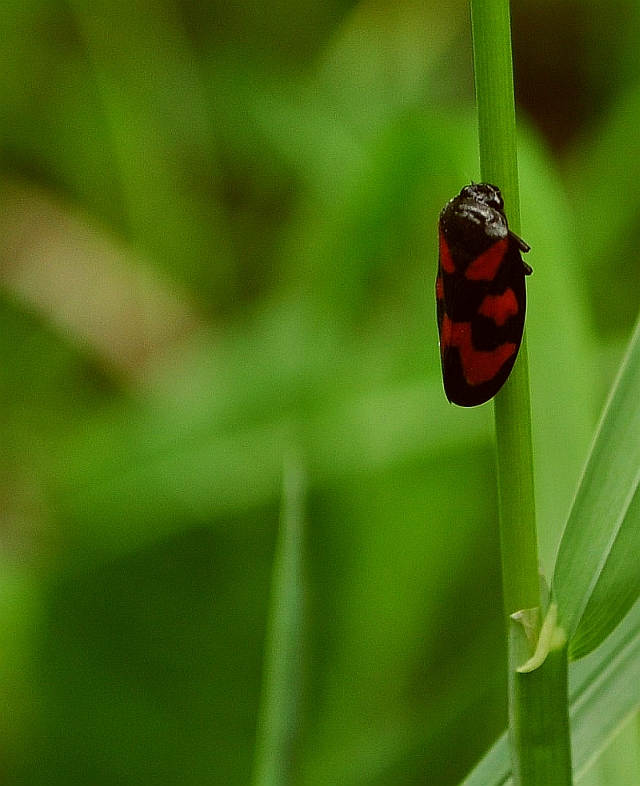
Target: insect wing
(481, 309)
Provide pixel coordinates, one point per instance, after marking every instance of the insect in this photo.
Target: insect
(480, 295)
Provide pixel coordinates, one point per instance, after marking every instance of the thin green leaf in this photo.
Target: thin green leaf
(617, 589)
(596, 578)
(279, 712)
(604, 689)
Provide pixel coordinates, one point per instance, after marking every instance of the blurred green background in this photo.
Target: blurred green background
(217, 245)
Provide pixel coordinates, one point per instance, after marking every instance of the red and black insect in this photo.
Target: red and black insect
(480, 295)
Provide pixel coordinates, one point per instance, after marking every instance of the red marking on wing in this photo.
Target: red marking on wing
(477, 366)
(446, 332)
(445, 256)
(485, 267)
(439, 288)
(499, 307)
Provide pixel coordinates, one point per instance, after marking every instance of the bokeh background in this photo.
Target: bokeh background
(217, 246)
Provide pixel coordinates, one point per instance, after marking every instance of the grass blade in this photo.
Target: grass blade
(617, 589)
(279, 712)
(596, 579)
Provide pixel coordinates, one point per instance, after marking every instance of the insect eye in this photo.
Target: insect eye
(493, 197)
(497, 201)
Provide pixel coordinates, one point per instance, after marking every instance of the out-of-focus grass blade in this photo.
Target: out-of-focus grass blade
(279, 711)
(596, 578)
(604, 689)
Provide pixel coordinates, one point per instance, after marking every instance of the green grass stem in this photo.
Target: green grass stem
(538, 714)
(539, 733)
(498, 163)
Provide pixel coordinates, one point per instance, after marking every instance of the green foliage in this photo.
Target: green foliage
(279, 720)
(596, 577)
(600, 700)
(217, 232)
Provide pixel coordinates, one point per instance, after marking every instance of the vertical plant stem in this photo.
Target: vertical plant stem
(539, 732)
(538, 698)
(498, 162)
